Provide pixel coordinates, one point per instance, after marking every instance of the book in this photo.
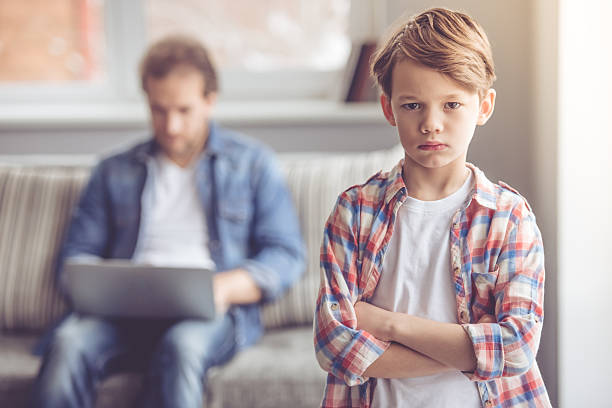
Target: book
(359, 86)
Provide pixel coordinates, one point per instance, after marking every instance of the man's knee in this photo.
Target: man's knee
(196, 343)
(81, 339)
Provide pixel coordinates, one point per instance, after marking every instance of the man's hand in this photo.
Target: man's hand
(221, 293)
(373, 319)
(234, 287)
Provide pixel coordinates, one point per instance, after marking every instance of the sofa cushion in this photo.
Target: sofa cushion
(35, 204)
(279, 371)
(18, 369)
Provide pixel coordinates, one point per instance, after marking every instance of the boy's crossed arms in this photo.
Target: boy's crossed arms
(419, 346)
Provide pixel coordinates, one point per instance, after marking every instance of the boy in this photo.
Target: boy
(432, 277)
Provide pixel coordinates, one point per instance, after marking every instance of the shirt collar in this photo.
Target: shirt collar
(484, 191)
(214, 144)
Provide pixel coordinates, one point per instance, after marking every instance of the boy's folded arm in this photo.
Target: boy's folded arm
(354, 355)
(342, 349)
(508, 348)
(399, 361)
(446, 343)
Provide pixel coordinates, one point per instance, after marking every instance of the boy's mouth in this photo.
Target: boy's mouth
(432, 146)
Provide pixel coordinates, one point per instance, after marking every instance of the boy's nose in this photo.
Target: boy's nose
(430, 123)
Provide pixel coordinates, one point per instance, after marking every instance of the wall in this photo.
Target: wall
(544, 145)
(584, 203)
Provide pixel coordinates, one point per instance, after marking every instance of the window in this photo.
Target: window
(257, 45)
(266, 35)
(87, 51)
(52, 41)
(69, 51)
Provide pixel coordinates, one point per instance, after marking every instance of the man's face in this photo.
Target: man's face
(435, 116)
(179, 113)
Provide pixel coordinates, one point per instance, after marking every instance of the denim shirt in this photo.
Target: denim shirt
(249, 211)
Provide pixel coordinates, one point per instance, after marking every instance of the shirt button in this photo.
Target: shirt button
(488, 403)
(457, 270)
(334, 306)
(463, 316)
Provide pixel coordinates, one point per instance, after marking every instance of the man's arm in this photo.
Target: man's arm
(277, 246)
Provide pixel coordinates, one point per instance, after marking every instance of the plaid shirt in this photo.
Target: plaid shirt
(497, 265)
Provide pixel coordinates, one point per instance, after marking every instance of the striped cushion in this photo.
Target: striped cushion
(35, 204)
(315, 182)
(36, 201)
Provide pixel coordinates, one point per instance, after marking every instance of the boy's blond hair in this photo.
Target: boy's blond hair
(447, 41)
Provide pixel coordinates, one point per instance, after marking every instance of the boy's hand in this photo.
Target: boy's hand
(374, 320)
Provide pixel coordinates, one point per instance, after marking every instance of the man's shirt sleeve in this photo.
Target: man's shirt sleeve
(341, 349)
(508, 348)
(278, 248)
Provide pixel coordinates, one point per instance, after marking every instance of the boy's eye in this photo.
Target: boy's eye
(452, 105)
(411, 106)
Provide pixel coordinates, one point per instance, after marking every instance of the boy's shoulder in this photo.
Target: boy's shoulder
(510, 194)
(376, 190)
(500, 196)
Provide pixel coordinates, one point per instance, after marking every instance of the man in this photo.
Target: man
(194, 195)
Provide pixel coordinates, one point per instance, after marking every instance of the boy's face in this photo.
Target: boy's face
(435, 116)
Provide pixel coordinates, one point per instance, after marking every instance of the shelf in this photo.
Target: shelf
(135, 115)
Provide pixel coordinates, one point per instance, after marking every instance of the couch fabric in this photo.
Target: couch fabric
(35, 205)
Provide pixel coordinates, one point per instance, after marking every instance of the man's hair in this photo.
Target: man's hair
(447, 41)
(178, 51)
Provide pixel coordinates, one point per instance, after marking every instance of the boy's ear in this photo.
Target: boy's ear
(385, 102)
(487, 105)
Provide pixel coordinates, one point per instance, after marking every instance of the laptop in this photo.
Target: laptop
(119, 288)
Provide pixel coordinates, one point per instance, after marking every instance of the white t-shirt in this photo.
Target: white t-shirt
(174, 230)
(416, 278)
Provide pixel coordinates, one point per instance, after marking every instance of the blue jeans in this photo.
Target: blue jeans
(85, 349)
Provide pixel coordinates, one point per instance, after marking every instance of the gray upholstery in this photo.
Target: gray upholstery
(280, 371)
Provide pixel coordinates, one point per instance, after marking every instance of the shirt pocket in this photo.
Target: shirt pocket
(236, 211)
(483, 285)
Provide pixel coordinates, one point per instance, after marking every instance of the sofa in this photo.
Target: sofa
(37, 195)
